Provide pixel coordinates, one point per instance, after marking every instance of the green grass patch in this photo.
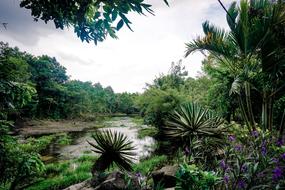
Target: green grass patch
(149, 131)
(63, 139)
(138, 120)
(63, 174)
(150, 164)
(36, 145)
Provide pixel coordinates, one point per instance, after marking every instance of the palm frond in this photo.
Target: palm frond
(215, 41)
(232, 15)
(236, 87)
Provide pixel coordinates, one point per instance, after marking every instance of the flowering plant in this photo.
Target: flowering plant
(190, 177)
(255, 160)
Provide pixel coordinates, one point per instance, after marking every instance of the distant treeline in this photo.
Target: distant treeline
(38, 86)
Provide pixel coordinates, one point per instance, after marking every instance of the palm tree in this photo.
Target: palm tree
(114, 147)
(253, 52)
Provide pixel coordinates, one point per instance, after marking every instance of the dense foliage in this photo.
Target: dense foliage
(252, 53)
(191, 177)
(226, 125)
(39, 87)
(253, 160)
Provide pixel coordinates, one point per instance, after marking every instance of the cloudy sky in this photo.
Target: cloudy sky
(125, 64)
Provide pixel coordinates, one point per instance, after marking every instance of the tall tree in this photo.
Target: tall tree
(252, 51)
(49, 77)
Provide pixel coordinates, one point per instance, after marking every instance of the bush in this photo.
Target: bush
(18, 167)
(190, 177)
(156, 105)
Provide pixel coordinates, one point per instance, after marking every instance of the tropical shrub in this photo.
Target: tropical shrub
(253, 160)
(193, 128)
(114, 147)
(191, 120)
(18, 167)
(190, 177)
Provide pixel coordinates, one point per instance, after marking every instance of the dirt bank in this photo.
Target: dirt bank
(44, 127)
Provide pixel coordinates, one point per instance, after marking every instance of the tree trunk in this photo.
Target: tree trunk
(282, 125)
(243, 112)
(267, 112)
(249, 105)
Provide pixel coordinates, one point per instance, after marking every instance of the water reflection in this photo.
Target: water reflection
(80, 146)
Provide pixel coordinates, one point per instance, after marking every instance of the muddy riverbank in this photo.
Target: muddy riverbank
(46, 127)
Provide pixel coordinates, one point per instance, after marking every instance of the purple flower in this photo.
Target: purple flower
(244, 168)
(223, 165)
(275, 160)
(263, 148)
(280, 142)
(238, 147)
(277, 173)
(254, 133)
(283, 156)
(226, 179)
(260, 174)
(232, 138)
(241, 184)
(138, 174)
(263, 151)
(187, 151)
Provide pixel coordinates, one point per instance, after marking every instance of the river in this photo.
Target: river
(79, 145)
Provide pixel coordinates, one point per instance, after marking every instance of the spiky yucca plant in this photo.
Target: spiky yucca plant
(114, 147)
(199, 131)
(191, 120)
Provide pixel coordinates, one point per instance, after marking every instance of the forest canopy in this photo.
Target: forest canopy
(38, 86)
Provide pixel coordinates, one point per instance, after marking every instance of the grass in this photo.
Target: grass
(144, 132)
(37, 144)
(138, 120)
(63, 174)
(66, 173)
(63, 139)
(149, 164)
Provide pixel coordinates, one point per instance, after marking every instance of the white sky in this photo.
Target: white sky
(131, 61)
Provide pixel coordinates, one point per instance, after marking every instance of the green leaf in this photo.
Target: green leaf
(114, 15)
(166, 2)
(120, 24)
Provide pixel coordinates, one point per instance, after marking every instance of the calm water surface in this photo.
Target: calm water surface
(80, 146)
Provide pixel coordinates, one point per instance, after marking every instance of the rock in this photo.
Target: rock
(165, 176)
(85, 185)
(117, 181)
(113, 181)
